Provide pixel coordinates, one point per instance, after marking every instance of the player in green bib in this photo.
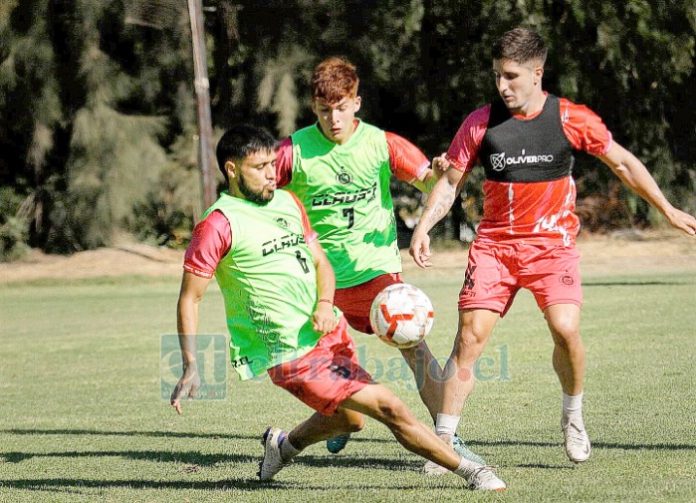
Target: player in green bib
(340, 168)
(278, 287)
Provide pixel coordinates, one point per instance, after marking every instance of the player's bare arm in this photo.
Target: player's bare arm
(324, 319)
(635, 176)
(192, 289)
(438, 204)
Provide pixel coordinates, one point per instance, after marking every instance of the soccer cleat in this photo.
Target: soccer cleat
(460, 448)
(336, 444)
(577, 442)
(484, 478)
(272, 461)
(433, 469)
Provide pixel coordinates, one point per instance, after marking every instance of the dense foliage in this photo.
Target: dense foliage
(97, 121)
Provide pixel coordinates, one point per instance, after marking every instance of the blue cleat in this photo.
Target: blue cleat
(433, 469)
(460, 448)
(336, 444)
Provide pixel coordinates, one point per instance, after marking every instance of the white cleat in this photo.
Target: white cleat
(484, 478)
(577, 443)
(272, 460)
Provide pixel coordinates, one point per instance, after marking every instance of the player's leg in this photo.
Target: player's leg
(569, 363)
(428, 375)
(475, 328)
(381, 404)
(553, 276)
(319, 427)
(355, 302)
(321, 379)
(281, 447)
(487, 291)
(568, 352)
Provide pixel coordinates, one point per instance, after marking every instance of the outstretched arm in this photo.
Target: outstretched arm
(635, 176)
(192, 289)
(438, 204)
(324, 318)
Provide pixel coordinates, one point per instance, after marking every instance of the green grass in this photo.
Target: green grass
(81, 418)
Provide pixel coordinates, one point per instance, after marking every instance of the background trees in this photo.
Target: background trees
(97, 121)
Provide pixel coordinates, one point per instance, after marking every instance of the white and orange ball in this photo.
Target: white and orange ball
(401, 315)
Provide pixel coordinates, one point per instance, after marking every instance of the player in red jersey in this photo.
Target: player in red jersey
(526, 239)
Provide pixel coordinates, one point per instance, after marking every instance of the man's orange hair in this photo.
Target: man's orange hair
(333, 79)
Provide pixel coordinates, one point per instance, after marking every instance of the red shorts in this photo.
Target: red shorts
(496, 271)
(356, 301)
(327, 375)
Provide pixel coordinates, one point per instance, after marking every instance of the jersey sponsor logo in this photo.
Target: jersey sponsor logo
(368, 194)
(500, 161)
(282, 243)
(282, 222)
(344, 177)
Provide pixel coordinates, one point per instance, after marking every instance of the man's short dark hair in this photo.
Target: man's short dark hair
(241, 141)
(520, 45)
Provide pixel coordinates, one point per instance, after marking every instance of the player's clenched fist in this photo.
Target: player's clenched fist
(324, 320)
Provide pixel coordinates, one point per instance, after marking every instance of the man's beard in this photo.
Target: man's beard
(254, 197)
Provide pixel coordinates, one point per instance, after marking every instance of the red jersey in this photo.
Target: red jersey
(538, 211)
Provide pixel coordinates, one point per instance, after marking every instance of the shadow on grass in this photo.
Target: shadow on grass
(546, 467)
(634, 283)
(354, 438)
(198, 459)
(595, 444)
(221, 485)
(187, 457)
(158, 434)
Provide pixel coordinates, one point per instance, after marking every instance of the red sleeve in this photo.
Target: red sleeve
(284, 163)
(584, 128)
(407, 162)
(210, 242)
(463, 151)
(309, 233)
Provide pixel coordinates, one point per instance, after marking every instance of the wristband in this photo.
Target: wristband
(325, 300)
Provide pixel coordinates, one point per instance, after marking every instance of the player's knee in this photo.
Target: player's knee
(393, 411)
(355, 423)
(566, 331)
(470, 343)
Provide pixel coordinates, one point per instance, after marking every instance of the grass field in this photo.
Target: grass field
(81, 417)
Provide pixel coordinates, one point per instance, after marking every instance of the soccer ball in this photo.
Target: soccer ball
(401, 315)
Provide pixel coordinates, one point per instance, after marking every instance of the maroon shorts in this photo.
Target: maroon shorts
(327, 375)
(355, 301)
(496, 271)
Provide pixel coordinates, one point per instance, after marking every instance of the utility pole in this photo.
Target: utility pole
(206, 160)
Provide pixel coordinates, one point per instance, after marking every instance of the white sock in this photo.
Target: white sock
(446, 425)
(465, 468)
(287, 450)
(572, 409)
